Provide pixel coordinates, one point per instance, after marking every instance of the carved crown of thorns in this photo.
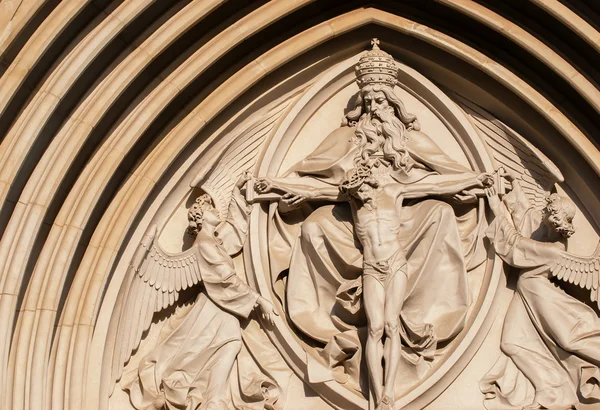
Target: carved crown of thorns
(355, 178)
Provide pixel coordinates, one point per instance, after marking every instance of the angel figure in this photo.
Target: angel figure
(550, 340)
(190, 368)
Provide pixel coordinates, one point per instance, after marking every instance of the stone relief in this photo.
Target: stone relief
(385, 163)
(372, 246)
(360, 269)
(550, 340)
(191, 366)
(376, 211)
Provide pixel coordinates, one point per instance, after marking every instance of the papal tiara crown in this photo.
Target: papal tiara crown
(376, 66)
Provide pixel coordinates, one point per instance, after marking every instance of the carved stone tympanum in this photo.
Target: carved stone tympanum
(378, 161)
(364, 247)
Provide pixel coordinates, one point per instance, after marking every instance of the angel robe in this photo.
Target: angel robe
(179, 368)
(325, 260)
(550, 340)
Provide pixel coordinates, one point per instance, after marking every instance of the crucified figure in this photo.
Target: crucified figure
(376, 210)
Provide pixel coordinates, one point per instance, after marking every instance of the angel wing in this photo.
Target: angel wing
(218, 176)
(156, 281)
(537, 173)
(583, 271)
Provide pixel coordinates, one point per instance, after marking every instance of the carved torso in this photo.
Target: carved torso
(377, 224)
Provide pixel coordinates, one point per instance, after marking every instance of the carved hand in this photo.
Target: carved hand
(245, 177)
(267, 310)
(509, 176)
(465, 197)
(493, 200)
(293, 200)
(485, 180)
(263, 185)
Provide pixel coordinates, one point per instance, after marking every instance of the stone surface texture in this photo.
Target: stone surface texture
(294, 204)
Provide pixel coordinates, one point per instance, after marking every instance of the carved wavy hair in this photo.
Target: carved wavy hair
(560, 212)
(196, 213)
(387, 134)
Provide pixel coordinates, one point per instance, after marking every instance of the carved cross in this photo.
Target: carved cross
(375, 43)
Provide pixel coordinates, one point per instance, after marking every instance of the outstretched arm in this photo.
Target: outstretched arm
(222, 284)
(295, 191)
(299, 186)
(511, 246)
(516, 201)
(420, 190)
(233, 230)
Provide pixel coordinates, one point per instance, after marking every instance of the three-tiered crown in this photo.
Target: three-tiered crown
(376, 67)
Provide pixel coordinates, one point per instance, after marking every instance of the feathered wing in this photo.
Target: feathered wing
(537, 173)
(156, 279)
(244, 144)
(583, 271)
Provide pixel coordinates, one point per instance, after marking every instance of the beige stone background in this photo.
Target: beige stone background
(104, 103)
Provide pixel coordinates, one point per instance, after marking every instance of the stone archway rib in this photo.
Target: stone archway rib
(44, 182)
(110, 232)
(81, 306)
(532, 45)
(571, 20)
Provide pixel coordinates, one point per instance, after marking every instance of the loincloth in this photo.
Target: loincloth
(383, 271)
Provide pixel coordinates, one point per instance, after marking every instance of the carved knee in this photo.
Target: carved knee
(523, 283)
(376, 331)
(392, 328)
(509, 349)
(234, 346)
(310, 230)
(446, 212)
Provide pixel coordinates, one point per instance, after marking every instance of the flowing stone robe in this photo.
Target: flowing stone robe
(550, 340)
(179, 367)
(325, 261)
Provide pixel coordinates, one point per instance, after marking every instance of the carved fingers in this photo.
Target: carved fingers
(263, 185)
(508, 175)
(293, 200)
(245, 177)
(485, 180)
(465, 197)
(493, 199)
(267, 310)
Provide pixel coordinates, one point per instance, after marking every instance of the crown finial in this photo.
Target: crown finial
(376, 67)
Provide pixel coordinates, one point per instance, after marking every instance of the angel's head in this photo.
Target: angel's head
(202, 214)
(559, 214)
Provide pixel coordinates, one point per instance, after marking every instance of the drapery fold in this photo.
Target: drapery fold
(316, 260)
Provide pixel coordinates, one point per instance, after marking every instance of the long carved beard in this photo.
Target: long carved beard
(384, 133)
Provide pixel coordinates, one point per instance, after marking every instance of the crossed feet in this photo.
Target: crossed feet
(386, 403)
